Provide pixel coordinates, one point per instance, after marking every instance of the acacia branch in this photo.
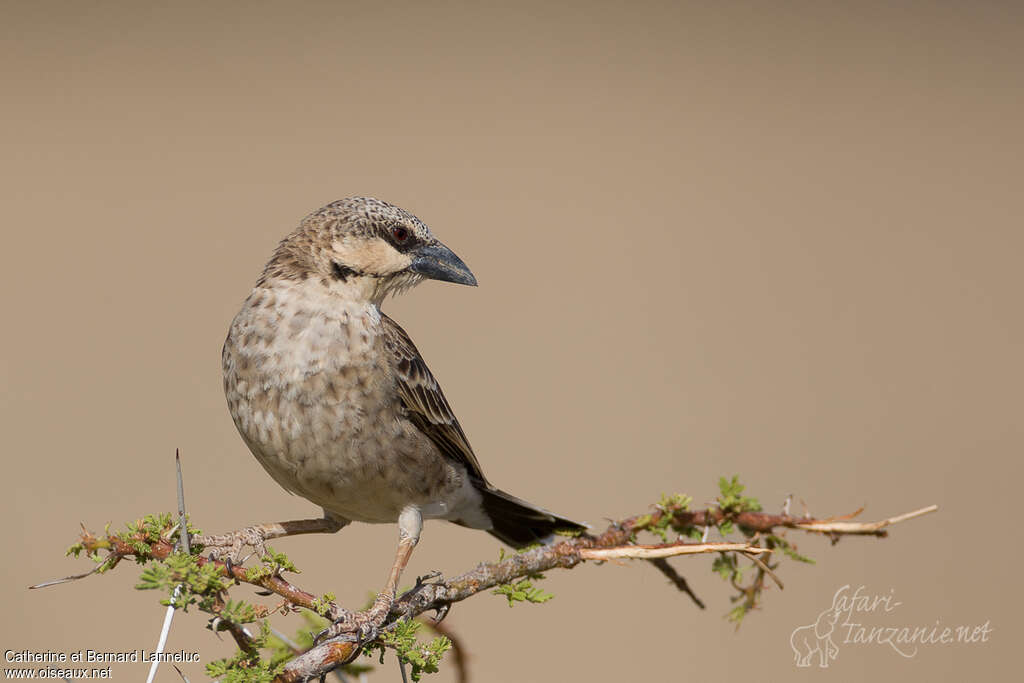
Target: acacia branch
(617, 541)
(563, 555)
(120, 546)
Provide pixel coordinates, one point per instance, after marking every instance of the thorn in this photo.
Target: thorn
(767, 570)
(183, 537)
(164, 632)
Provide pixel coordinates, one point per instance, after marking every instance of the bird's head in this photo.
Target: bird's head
(366, 248)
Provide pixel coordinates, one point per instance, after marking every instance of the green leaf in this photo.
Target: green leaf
(788, 549)
(423, 658)
(523, 591)
(731, 499)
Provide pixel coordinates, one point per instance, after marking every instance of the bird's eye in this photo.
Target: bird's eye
(400, 234)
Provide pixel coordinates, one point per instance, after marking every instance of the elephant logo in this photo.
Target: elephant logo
(816, 638)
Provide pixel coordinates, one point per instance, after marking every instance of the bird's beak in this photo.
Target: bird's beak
(438, 262)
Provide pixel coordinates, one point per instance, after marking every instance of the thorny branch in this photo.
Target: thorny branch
(617, 541)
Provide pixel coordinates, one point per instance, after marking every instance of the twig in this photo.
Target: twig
(677, 579)
(69, 579)
(871, 528)
(763, 566)
(649, 552)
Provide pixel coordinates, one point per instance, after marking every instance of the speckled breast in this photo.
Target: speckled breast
(308, 387)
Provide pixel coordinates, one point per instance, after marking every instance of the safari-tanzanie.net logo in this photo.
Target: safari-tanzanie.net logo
(857, 617)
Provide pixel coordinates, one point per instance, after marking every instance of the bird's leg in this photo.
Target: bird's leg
(366, 623)
(229, 546)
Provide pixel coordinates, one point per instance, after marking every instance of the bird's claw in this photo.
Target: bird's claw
(363, 626)
(416, 597)
(227, 548)
(441, 612)
(361, 631)
(336, 628)
(429, 576)
(321, 635)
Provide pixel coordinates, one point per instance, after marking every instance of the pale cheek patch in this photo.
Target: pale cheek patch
(373, 257)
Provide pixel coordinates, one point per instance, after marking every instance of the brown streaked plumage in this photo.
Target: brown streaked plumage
(338, 405)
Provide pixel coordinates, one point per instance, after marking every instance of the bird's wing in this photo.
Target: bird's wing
(422, 397)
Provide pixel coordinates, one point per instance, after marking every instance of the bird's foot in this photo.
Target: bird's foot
(425, 592)
(434, 578)
(363, 626)
(228, 547)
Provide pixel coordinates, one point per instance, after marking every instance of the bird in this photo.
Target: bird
(336, 403)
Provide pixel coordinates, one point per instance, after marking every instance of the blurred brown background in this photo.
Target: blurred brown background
(782, 241)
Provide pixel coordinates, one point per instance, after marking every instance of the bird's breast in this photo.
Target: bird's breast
(309, 387)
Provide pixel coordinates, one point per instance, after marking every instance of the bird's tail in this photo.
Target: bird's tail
(519, 523)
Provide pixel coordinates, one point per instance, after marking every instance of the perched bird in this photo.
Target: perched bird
(336, 403)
